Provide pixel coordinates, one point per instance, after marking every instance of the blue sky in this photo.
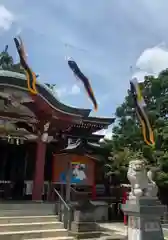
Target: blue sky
(105, 37)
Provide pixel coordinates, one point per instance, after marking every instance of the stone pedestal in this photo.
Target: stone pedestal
(83, 224)
(143, 208)
(144, 218)
(101, 211)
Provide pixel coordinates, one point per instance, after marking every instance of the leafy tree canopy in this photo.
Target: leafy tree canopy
(127, 134)
(7, 62)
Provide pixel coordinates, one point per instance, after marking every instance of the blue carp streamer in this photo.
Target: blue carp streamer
(76, 70)
(140, 110)
(30, 75)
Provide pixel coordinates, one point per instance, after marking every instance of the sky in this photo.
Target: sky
(111, 40)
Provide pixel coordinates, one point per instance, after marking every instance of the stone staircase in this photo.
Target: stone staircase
(37, 221)
(30, 221)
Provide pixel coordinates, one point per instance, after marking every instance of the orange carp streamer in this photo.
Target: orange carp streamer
(30, 75)
(140, 110)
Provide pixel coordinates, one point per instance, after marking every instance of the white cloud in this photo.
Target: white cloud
(140, 75)
(75, 90)
(152, 61)
(62, 91)
(6, 18)
(18, 31)
(66, 91)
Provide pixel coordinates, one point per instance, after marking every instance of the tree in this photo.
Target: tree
(127, 133)
(7, 63)
(116, 166)
(5, 59)
(52, 88)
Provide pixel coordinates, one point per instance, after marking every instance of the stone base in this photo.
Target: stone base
(144, 206)
(85, 235)
(144, 219)
(84, 226)
(144, 228)
(84, 230)
(101, 211)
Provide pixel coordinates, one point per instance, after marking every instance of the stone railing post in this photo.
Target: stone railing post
(143, 208)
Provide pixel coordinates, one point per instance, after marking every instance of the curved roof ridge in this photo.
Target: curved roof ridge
(7, 73)
(106, 120)
(44, 90)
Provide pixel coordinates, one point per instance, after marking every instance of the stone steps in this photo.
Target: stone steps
(30, 226)
(25, 205)
(37, 222)
(28, 219)
(34, 209)
(15, 213)
(55, 238)
(45, 233)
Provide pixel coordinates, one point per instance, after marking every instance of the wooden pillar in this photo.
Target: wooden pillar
(38, 183)
(94, 191)
(52, 193)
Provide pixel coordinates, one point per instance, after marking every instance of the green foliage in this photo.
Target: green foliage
(50, 86)
(117, 164)
(127, 134)
(7, 63)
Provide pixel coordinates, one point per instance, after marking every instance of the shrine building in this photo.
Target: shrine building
(41, 139)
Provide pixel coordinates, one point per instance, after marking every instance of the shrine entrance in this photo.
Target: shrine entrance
(17, 169)
(16, 166)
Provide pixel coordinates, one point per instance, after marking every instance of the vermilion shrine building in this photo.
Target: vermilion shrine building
(41, 138)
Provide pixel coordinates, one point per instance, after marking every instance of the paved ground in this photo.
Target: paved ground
(117, 227)
(165, 230)
(121, 229)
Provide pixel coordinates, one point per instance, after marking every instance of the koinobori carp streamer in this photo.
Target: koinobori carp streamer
(30, 75)
(140, 110)
(76, 70)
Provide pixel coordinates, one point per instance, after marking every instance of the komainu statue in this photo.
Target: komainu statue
(142, 184)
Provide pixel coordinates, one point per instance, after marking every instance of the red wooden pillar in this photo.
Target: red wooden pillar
(52, 193)
(38, 183)
(125, 196)
(94, 191)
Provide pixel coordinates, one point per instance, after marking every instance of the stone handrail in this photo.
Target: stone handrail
(61, 198)
(64, 211)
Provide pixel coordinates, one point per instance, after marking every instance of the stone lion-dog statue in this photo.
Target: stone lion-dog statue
(142, 184)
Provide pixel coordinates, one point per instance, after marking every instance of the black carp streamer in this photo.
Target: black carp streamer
(140, 110)
(30, 75)
(76, 70)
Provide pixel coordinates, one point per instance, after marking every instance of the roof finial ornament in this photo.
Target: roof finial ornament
(6, 61)
(6, 48)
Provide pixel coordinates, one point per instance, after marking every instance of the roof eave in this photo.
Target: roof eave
(16, 79)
